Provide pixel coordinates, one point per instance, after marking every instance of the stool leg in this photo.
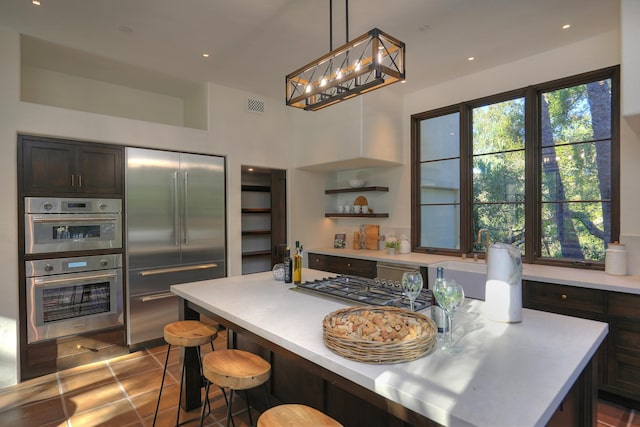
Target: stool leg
(229, 406)
(246, 396)
(206, 390)
(266, 395)
(180, 395)
(164, 372)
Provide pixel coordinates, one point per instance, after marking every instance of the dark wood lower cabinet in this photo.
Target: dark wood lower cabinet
(619, 355)
(64, 353)
(343, 265)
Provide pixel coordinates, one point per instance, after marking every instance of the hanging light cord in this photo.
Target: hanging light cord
(346, 31)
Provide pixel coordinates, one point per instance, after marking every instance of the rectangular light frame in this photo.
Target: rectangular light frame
(369, 62)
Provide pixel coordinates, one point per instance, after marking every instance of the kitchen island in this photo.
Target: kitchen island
(506, 375)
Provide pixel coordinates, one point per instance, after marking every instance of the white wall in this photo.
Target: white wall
(630, 36)
(49, 87)
(245, 138)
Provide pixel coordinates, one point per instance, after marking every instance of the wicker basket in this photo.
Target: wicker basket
(343, 330)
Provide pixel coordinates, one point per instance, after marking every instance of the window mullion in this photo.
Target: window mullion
(466, 179)
(532, 175)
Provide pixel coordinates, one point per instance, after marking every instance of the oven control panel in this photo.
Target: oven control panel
(47, 267)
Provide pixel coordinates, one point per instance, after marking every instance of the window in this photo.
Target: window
(536, 167)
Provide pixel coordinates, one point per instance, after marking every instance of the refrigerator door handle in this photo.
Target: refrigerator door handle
(185, 216)
(163, 295)
(177, 269)
(176, 213)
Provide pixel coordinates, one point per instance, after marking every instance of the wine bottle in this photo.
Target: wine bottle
(297, 265)
(437, 313)
(288, 266)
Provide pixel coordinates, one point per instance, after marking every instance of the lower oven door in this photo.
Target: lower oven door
(75, 303)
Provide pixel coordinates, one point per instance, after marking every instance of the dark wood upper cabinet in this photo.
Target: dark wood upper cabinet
(52, 166)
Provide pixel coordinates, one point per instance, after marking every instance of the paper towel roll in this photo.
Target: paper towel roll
(503, 290)
(615, 261)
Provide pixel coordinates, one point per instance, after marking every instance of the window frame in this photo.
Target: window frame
(533, 175)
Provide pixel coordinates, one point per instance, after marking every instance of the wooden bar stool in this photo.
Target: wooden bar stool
(295, 416)
(235, 370)
(185, 333)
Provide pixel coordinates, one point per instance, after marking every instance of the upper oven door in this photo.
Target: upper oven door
(72, 232)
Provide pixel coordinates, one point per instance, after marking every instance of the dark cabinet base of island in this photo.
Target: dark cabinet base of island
(297, 380)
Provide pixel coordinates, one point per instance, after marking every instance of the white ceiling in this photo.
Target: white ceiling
(253, 44)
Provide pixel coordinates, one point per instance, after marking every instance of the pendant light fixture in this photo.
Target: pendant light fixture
(369, 62)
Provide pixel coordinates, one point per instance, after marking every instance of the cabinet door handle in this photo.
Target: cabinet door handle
(79, 181)
(73, 180)
(563, 296)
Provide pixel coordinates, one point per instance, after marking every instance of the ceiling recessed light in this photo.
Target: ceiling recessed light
(205, 55)
(36, 2)
(566, 26)
(471, 58)
(250, 169)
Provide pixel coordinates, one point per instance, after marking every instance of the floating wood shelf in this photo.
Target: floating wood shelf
(355, 190)
(344, 215)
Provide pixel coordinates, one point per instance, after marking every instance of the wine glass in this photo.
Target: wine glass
(411, 285)
(450, 296)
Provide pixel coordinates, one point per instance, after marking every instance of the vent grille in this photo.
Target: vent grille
(255, 106)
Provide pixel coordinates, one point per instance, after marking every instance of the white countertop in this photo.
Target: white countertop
(583, 278)
(506, 374)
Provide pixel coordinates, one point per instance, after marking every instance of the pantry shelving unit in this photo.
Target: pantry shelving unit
(263, 211)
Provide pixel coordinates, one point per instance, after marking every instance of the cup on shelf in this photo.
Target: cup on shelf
(365, 209)
(340, 208)
(347, 208)
(356, 209)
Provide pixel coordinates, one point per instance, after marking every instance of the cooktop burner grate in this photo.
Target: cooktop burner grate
(365, 291)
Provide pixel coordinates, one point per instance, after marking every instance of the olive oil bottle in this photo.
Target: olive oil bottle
(297, 264)
(288, 266)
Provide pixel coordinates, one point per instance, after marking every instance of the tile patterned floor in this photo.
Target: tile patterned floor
(118, 392)
(123, 392)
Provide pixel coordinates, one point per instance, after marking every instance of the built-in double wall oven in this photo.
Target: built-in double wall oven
(68, 295)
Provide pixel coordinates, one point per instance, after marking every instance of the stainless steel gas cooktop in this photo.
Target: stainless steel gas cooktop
(363, 291)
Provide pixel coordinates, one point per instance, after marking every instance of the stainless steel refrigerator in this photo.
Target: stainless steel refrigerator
(175, 226)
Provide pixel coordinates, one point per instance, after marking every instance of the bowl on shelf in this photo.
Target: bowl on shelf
(357, 183)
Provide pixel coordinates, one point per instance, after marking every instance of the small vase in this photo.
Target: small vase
(391, 251)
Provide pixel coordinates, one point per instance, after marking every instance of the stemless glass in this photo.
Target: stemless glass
(411, 285)
(450, 296)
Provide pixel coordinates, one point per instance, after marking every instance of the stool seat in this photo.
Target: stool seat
(235, 369)
(189, 333)
(295, 416)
